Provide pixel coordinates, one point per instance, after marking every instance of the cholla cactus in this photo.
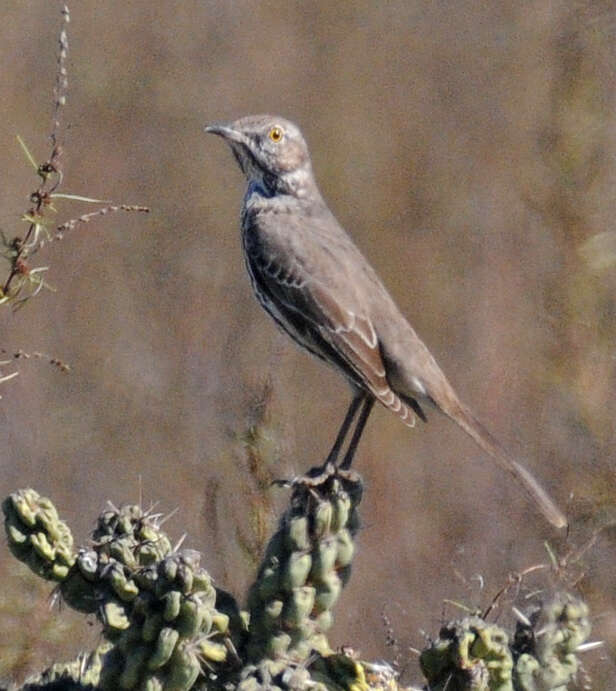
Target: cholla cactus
(166, 627)
(469, 654)
(307, 562)
(473, 655)
(37, 536)
(158, 607)
(547, 643)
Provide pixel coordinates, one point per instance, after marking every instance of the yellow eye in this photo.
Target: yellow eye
(275, 134)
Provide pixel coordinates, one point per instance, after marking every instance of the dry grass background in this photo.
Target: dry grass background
(469, 147)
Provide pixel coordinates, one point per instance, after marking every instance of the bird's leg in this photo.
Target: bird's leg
(359, 428)
(322, 472)
(332, 457)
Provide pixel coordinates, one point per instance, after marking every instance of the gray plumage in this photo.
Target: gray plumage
(313, 280)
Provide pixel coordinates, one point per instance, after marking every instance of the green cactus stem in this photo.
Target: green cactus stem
(306, 564)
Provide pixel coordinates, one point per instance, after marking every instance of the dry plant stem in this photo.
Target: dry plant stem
(23, 355)
(514, 579)
(86, 218)
(18, 250)
(50, 171)
(61, 87)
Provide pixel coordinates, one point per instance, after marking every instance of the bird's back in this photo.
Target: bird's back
(302, 247)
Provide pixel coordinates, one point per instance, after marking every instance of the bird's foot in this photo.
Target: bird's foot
(317, 476)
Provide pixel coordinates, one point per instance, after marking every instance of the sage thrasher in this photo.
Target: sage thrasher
(316, 284)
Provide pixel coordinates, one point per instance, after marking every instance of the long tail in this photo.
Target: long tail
(467, 421)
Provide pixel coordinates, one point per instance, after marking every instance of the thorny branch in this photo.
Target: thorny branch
(17, 249)
(24, 281)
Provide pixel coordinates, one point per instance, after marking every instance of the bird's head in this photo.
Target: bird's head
(271, 152)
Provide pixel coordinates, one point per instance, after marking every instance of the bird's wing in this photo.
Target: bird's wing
(325, 318)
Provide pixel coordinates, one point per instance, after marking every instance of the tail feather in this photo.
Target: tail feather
(467, 421)
(397, 405)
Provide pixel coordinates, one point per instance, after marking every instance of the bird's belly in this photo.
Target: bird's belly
(301, 338)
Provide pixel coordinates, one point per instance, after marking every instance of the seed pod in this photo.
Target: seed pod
(15, 535)
(64, 554)
(298, 606)
(301, 650)
(190, 618)
(295, 571)
(169, 568)
(325, 558)
(115, 615)
(203, 582)
(122, 551)
(124, 588)
(185, 578)
(220, 622)
(297, 536)
(327, 592)
(320, 643)
(268, 582)
(294, 677)
(150, 682)
(152, 626)
(59, 572)
(21, 504)
(132, 667)
(342, 509)
(251, 684)
(46, 505)
(206, 618)
(41, 546)
(324, 621)
(345, 548)
(172, 600)
(322, 514)
(148, 533)
(48, 520)
(273, 610)
(277, 646)
(165, 645)
(184, 668)
(147, 553)
(211, 650)
(146, 578)
(302, 633)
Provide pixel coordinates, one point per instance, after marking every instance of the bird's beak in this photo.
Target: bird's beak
(226, 132)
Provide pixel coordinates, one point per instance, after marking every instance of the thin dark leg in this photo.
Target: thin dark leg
(359, 428)
(344, 428)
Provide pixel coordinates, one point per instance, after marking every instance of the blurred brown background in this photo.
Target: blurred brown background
(470, 148)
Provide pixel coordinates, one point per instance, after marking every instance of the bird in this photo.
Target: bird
(310, 276)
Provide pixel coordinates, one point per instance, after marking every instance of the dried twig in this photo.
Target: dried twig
(24, 281)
